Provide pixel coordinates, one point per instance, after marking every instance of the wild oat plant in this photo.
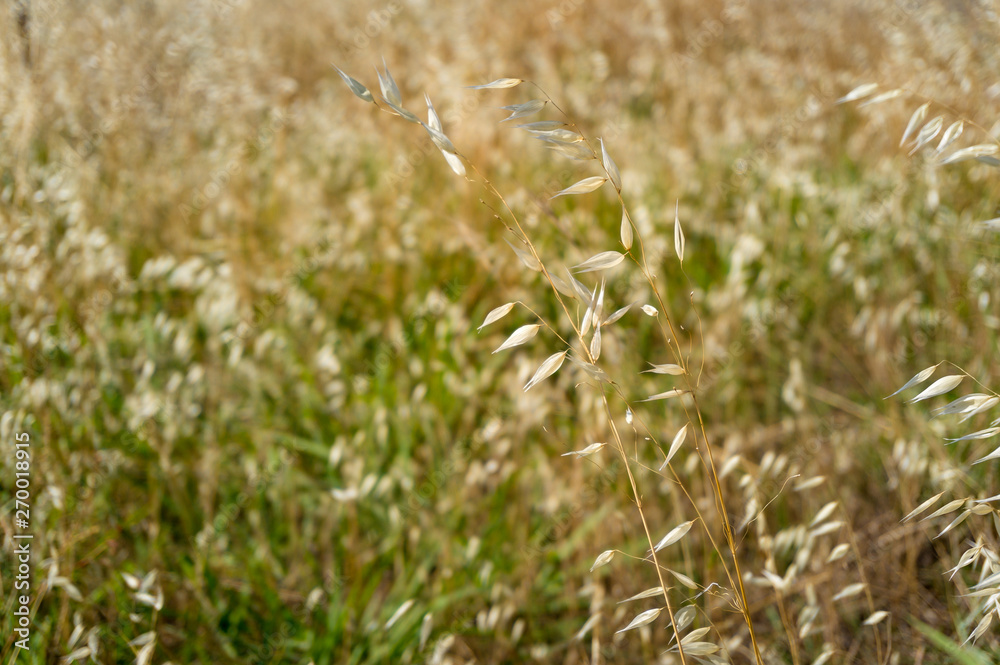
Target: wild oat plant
(982, 552)
(984, 592)
(793, 558)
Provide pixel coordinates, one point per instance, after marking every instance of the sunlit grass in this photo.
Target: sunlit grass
(238, 315)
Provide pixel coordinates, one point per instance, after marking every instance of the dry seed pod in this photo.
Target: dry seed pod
(884, 97)
(950, 136)
(542, 126)
(675, 535)
(648, 593)
(626, 231)
(975, 151)
(918, 378)
(858, 93)
(939, 387)
(849, 591)
(684, 579)
(498, 84)
(547, 369)
(642, 619)
(675, 446)
(611, 168)
(678, 233)
(558, 135)
(601, 261)
(595, 344)
(525, 109)
(577, 151)
(927, 133)
(823, 513)
(949, 507)
(563, 287)
(496, 314)
(664, 395)
(915, 120)
(585, 186)
(432, 117)
(603, 559)
(669, 368)
(838, 552)
(356, 87)
(390, 91)
(529, 261)
(617, 315)
(520, 336)
(981, 434)
(589, 450)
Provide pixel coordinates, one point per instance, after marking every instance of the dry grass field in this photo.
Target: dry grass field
(249, 415)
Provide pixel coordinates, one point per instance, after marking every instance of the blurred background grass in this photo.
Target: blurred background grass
(237, 315)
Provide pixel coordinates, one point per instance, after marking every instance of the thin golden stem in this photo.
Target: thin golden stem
(645, 526)
(674, 340)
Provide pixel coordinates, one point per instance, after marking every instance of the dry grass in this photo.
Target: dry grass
(238, 312)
